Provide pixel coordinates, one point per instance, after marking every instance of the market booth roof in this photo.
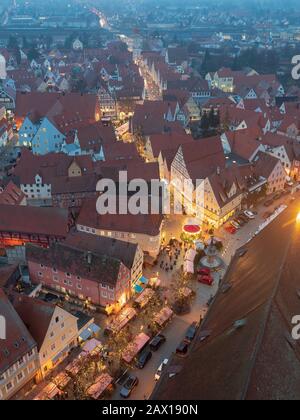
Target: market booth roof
(102, 382)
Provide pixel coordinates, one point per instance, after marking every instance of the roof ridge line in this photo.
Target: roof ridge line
(263, 327)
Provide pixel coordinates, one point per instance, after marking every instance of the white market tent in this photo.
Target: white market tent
(135, 347)
(188, 267)
(102, 382)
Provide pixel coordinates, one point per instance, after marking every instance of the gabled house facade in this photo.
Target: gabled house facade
(19, 363)
(42, 136)
(99, 280)
(54, 329)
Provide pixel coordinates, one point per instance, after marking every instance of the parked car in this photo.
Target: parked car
(129, 385)
(239, 221)
(208, 280)
(191, 331)
(143, 358)
(249, 214)
(204, 271)
(234, 224)
(160, 369)
(183, 347)
(242, 252)
(243, 218)
(157, 341)
(230, 229)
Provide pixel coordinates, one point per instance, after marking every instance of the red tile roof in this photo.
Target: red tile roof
(36, 315)
(100, 268)
(48, 166)
(256, 359)
(18, 340)
(139, 224)
(150, 118)
(74, 185)
(203, 156)
(11, 194)
(244, 143)
(64, 109)
(168, 141)
(264, 164)
(34, 220)
(100, 245)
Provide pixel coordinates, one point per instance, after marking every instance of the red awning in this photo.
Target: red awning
(193, 229)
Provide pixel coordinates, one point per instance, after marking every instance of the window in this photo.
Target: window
(62, 325)
(9, 386)
(20, 376)
(53, 347)
(57, 319)
(30, 367)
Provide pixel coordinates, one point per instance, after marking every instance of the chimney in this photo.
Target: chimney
(218, 170)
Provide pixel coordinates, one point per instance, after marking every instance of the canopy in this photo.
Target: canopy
(138, 288)
(49, 392)
(94, 328)
(85, 335)
(121, 320)
(144, 280)
(192, 229)
(62, 379)
(135, 347)
(144, 297)
(163, 316)
(190, 255)
(101, 384)
(75, 366)
(92, 346)
(188, 267)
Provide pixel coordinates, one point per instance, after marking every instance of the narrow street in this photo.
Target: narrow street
(174, 333)
(152, 92)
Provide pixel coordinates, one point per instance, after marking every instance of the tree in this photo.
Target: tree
(211, 117)
(18, 56)
(205, 68)
(12, 43)
(204, 122)
(25, 43)
(179, 284)
(33, 54)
